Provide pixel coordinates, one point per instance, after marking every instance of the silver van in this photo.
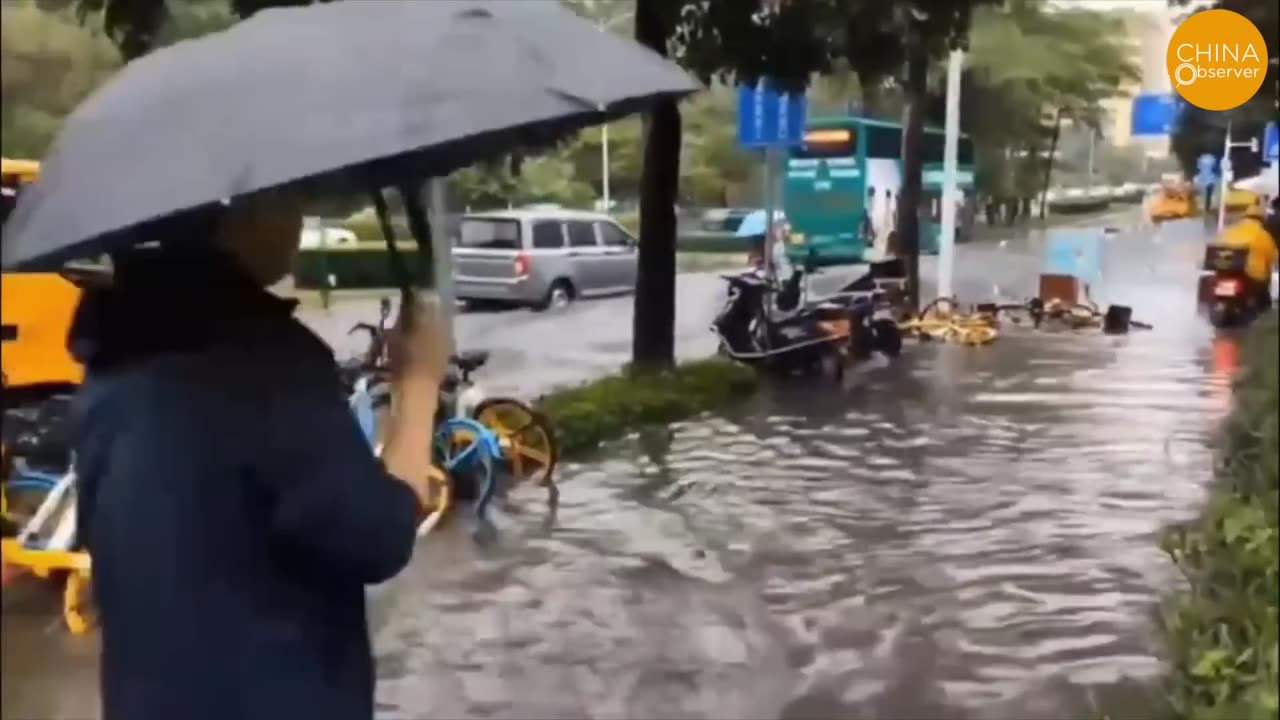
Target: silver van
(541, 257)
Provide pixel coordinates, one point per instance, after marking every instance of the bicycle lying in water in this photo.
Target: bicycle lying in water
(486, 445)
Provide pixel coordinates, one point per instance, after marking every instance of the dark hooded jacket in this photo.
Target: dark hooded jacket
(232, 508)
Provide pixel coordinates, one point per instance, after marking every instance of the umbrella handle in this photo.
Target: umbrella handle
(398, 269)
(411, 195)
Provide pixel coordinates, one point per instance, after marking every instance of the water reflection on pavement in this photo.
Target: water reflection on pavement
(963, 536)
(967, 533)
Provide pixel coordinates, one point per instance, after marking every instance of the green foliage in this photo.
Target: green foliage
(608, 408)
(48, 64)
(1027, 63)
(714, 170)
(1222, 632)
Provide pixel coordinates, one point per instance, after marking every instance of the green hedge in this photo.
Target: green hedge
(1221, 631)
(1078, 206)
(608, 408)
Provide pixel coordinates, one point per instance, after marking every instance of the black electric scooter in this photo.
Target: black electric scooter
(769, 325)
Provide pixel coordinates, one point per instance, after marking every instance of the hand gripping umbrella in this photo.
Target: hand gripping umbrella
(379, 92)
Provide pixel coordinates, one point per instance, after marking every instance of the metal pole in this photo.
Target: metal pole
(950, 160)
(1089, 181)
(604, 166)
(442, 254)
(1224, 167)
(769, 269)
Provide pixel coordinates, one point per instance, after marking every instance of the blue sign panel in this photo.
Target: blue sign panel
(768, 117)
(1271, 143)
(1075, 252)
(1154, 114)
(1207, 170)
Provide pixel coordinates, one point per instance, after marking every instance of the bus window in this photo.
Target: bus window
(935, 145)
(883, 142)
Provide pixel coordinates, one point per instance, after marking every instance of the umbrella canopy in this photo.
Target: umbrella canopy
(383, 90)
(756, 223)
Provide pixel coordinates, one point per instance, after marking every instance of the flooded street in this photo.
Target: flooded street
(974, 543)
(966, 533)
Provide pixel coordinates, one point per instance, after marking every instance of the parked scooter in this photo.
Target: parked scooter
(769, 325)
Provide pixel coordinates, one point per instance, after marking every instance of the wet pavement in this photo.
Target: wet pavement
(966, 533)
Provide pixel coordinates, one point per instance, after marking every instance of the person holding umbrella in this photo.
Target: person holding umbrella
(221, 472)
(232, 508)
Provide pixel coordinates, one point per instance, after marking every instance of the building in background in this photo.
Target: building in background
(1150, 28)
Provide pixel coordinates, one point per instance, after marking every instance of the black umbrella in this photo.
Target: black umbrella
(381, 90)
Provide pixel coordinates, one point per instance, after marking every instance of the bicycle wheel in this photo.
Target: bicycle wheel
(466, 450)
(21, 495)
(528, 438)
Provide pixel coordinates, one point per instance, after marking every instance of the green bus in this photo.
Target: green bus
(840, 189)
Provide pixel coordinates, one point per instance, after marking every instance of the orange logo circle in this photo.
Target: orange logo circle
(1217, 59)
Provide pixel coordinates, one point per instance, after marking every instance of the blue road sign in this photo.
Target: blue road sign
(1155, 114)
(1271, 143)
(1075, 252)
(767, 117)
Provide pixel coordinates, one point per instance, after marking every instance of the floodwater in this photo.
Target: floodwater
(965, 533)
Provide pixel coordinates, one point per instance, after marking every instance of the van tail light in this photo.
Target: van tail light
(521, 265)
(1227, 287)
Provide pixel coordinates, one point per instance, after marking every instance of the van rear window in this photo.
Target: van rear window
(488, 234)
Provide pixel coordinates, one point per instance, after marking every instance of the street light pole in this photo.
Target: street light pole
(1228, 172)
(950, 162)
(604, 166)
(604, 131)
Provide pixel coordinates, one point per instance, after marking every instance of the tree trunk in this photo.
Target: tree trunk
(908, 215)
(1048, 166)
(654, 318)
(869, 92)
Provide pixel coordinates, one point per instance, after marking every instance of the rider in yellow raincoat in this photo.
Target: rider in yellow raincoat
(1254, 235)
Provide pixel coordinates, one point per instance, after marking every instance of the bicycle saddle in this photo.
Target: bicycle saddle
(470, 360)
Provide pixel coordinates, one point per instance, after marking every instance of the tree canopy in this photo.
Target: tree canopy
(48, 64)
(1024, 63)
(1029, 67)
